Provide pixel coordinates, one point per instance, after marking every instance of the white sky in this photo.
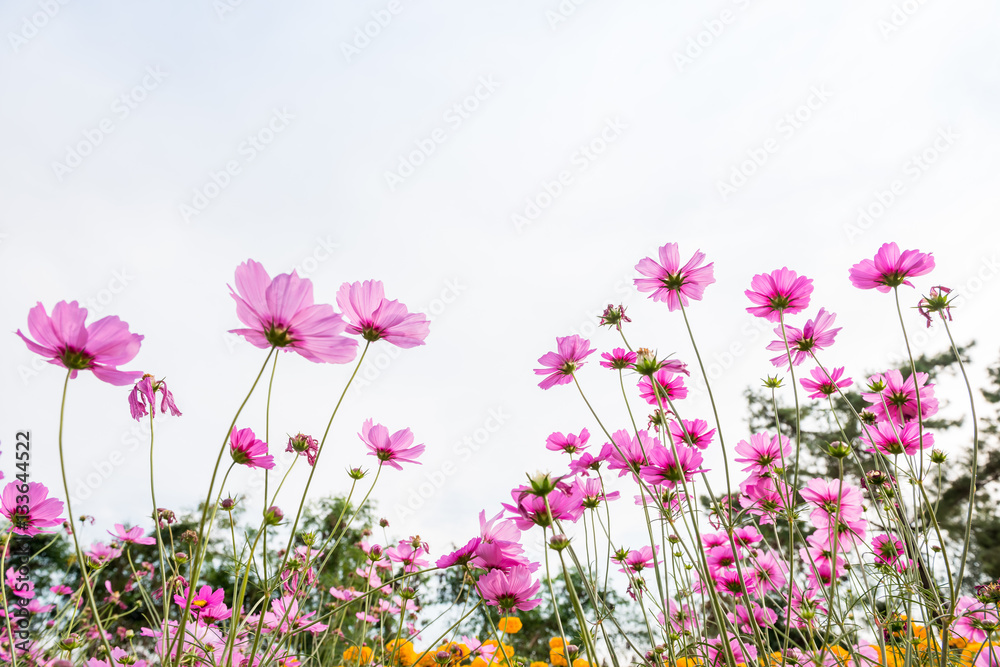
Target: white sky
(199, 81)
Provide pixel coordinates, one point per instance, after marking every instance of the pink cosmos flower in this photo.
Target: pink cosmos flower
(763, 617)
(890, 268)
(143, 394)
(247, 450)
(669, 281)
(892, 439)
(619, 358)
(765, 497)
(101, 554)
(900, 397)
(408, 555)
(887, 548)
(695, 433)
(569, 443)
(118, 657)
(376, 318)
(560, 365)
(592, 493)
(203, 599)
(285, 617)
(586, 463)
(66, 341)
(133, 535)
(974, 621)
(823, 386)
(530, 509)
(627, 453)
(770, 572)
(639, 559)
(717, 655)
(669, 469)
(668, 385)
(460, 556)
(814, 336)
(510, 592)
(781, 291)
(830, 498)
(390, 450)
(732, 583)
(762, 453)
(28, 518)
(19, 584)
(280, 313)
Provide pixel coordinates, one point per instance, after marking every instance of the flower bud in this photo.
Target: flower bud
(839, 450)
(273, 516)
(190, 537)
(558, 542)
(356, 473)
(228, 504)
(937, 456)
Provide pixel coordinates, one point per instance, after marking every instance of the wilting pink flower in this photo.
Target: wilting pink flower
(304, 445)
(510, 592)
(900, 398)
(66, 341)
(668, 385)
(669, 281)
(28, 518)
(938, 302)
(569, 443)
(892, 439)
(390, 449)
(619, 358)
(376, 318)
(143, 394)
(133, 535)
(823, 386)
(281, 313)
(781, 291)
(814, 336)
(890, 268)
(695, 433)
(762, 453)
(667, 468)
(247, 450)
(560, 365)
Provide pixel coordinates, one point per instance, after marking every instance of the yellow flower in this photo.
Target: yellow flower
(405, 653)
(580, 662)
(352, 653)
(555, 642)
(510, 624)
(687, 662)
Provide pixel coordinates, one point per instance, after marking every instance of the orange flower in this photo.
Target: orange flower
(510, 624)
(361, 656)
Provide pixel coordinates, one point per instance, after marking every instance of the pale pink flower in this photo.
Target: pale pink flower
(28, 518)
(376, 318)
(390, 449)
(66, 341)
(280, 313)
(814, 336)
(669, 281)
(560, 365)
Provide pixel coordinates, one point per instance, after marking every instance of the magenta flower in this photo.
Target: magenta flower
(569, 443)
(68, 342)
(695, 433)
(618, 359)
(247, 450)
(461, 556)
(627, 453)
(765, 497)
(28, 518)
(203, 599)
(637, 560)
(565, 503)
(101, 554)
(280, 313)
(830, 499)
(781, 291)
(890, 268)
(887, 548)
(669, 281)
(763, 454)
(814, 336)
(899, 396)
(143, 395)
(892, 439)
(667, 386)
(376, 318)
(390, 449)
(510, 592)
(133, 535)
(938, 302)
(824, 386)
(669, 469)
(560, 365)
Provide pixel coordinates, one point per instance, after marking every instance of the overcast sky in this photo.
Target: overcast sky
(500, 166)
